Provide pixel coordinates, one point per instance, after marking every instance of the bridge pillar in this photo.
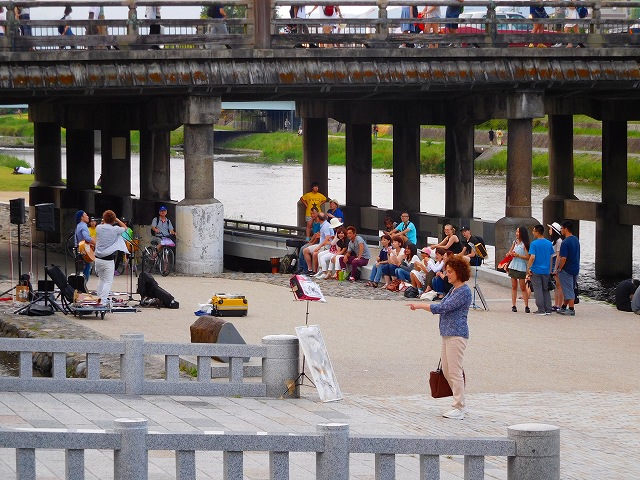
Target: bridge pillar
(155, 149)
(116, 174)
(561, 182)
(611, 236)
(80, 192)
(358, 171)
(315, 162)
(458, 180)
(519, 168)
(48, 185)
(199, 217)
(406, 167)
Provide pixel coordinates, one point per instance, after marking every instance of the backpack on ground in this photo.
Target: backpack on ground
(583, 12)
(329, 10)
(411, 292)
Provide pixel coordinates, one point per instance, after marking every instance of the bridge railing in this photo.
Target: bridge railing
(532, 450)
(268, 25)
(279, 354)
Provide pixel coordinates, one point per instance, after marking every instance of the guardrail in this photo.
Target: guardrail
(267, 25)
(533, 450)
(279, 353)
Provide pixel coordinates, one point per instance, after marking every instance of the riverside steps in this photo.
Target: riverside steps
(364, 78)
(521, 369)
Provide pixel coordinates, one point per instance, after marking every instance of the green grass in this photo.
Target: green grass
(15, 126)
(10, 182)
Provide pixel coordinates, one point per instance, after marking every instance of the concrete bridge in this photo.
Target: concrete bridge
(363, 79)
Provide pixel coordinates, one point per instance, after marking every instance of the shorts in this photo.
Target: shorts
(568, 283)
(453, 11)
(538, 12)
(308, 219)
(517, 274)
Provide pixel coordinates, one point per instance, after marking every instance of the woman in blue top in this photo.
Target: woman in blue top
(453, 329)
(518, 267)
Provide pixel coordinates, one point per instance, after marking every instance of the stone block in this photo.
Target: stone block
(208, 329)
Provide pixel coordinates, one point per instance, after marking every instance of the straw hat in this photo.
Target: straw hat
(335, 223)
(556, 227)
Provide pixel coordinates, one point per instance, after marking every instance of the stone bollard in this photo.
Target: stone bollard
(131, 461)
(280, 365)
(333, 462)
(537, 452)
(132, 371)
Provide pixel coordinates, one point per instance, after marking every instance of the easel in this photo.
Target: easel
(481, 253)
(299, 380)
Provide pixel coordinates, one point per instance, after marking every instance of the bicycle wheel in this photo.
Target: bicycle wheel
(147, 262)
(167, 260)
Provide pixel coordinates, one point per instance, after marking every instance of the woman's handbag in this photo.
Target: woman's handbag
(439, 386)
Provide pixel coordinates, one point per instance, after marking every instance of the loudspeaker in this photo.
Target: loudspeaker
(45, 218)
(17, 214)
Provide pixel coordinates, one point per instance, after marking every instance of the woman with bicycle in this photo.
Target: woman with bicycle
(162, 227)
(109, 242)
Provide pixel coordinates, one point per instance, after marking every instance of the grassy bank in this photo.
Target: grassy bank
(287, 147)
(10, 182)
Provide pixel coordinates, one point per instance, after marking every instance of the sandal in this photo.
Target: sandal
(374, 284)
(368, 284)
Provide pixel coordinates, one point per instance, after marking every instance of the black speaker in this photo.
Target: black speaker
(17, 214)
(45, 218)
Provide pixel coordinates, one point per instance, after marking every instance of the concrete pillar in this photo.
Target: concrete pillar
(406, 167)
(199, 217)
(132, 363)
(80, 160)
(333, 462)
(131, 460)
(155, 165)
(611, 236)
(116, 174)
(315, 163)
(47, 156)
(537, 452)
(280, 365)
(518, 205)
(459, 164)
(561, 182)
(358, 162)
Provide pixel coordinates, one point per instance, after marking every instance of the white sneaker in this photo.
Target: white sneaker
(319, 274)
(454, 414)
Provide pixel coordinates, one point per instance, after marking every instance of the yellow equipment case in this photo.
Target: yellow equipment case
(229, 305)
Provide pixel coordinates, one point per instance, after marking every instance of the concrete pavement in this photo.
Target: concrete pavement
(520, 368)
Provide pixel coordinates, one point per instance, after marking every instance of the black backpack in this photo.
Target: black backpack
(411, 292)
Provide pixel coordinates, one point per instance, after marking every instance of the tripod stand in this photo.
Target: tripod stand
(49, 303)
(478, 291)
(299, 380)
(19, 266)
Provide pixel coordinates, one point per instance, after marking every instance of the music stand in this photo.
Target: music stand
(299, 294)
(481, 252)
(131, 264)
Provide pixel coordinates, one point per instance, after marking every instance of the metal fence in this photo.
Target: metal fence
(279, 354)
(268, 25)
(532, 451)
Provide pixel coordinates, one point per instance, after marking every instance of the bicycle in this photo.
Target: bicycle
(164, 261)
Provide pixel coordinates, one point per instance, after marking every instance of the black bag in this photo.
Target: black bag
(289, 263)
(552, 284)
(411, 292)
(61, 27)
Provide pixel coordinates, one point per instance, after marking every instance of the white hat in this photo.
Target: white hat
(335, 223)
(556, 226)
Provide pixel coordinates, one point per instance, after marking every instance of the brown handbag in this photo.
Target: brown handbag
(439, 385)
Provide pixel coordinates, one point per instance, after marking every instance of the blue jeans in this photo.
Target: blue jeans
(376, 273)
(87, 270)
(403, 275)
(438, 285)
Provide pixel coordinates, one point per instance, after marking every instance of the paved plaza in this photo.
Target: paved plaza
(520, 368)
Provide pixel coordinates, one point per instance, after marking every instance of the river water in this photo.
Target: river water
(269, 193)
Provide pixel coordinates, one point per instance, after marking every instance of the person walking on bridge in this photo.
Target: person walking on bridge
(153, 13)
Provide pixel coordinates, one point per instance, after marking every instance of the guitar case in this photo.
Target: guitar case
(78, 282)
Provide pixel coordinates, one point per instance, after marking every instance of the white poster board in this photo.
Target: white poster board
(319, 365)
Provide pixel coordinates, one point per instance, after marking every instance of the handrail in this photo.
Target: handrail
(265, 28)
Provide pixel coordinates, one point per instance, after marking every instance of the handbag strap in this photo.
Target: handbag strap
(440, 364)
